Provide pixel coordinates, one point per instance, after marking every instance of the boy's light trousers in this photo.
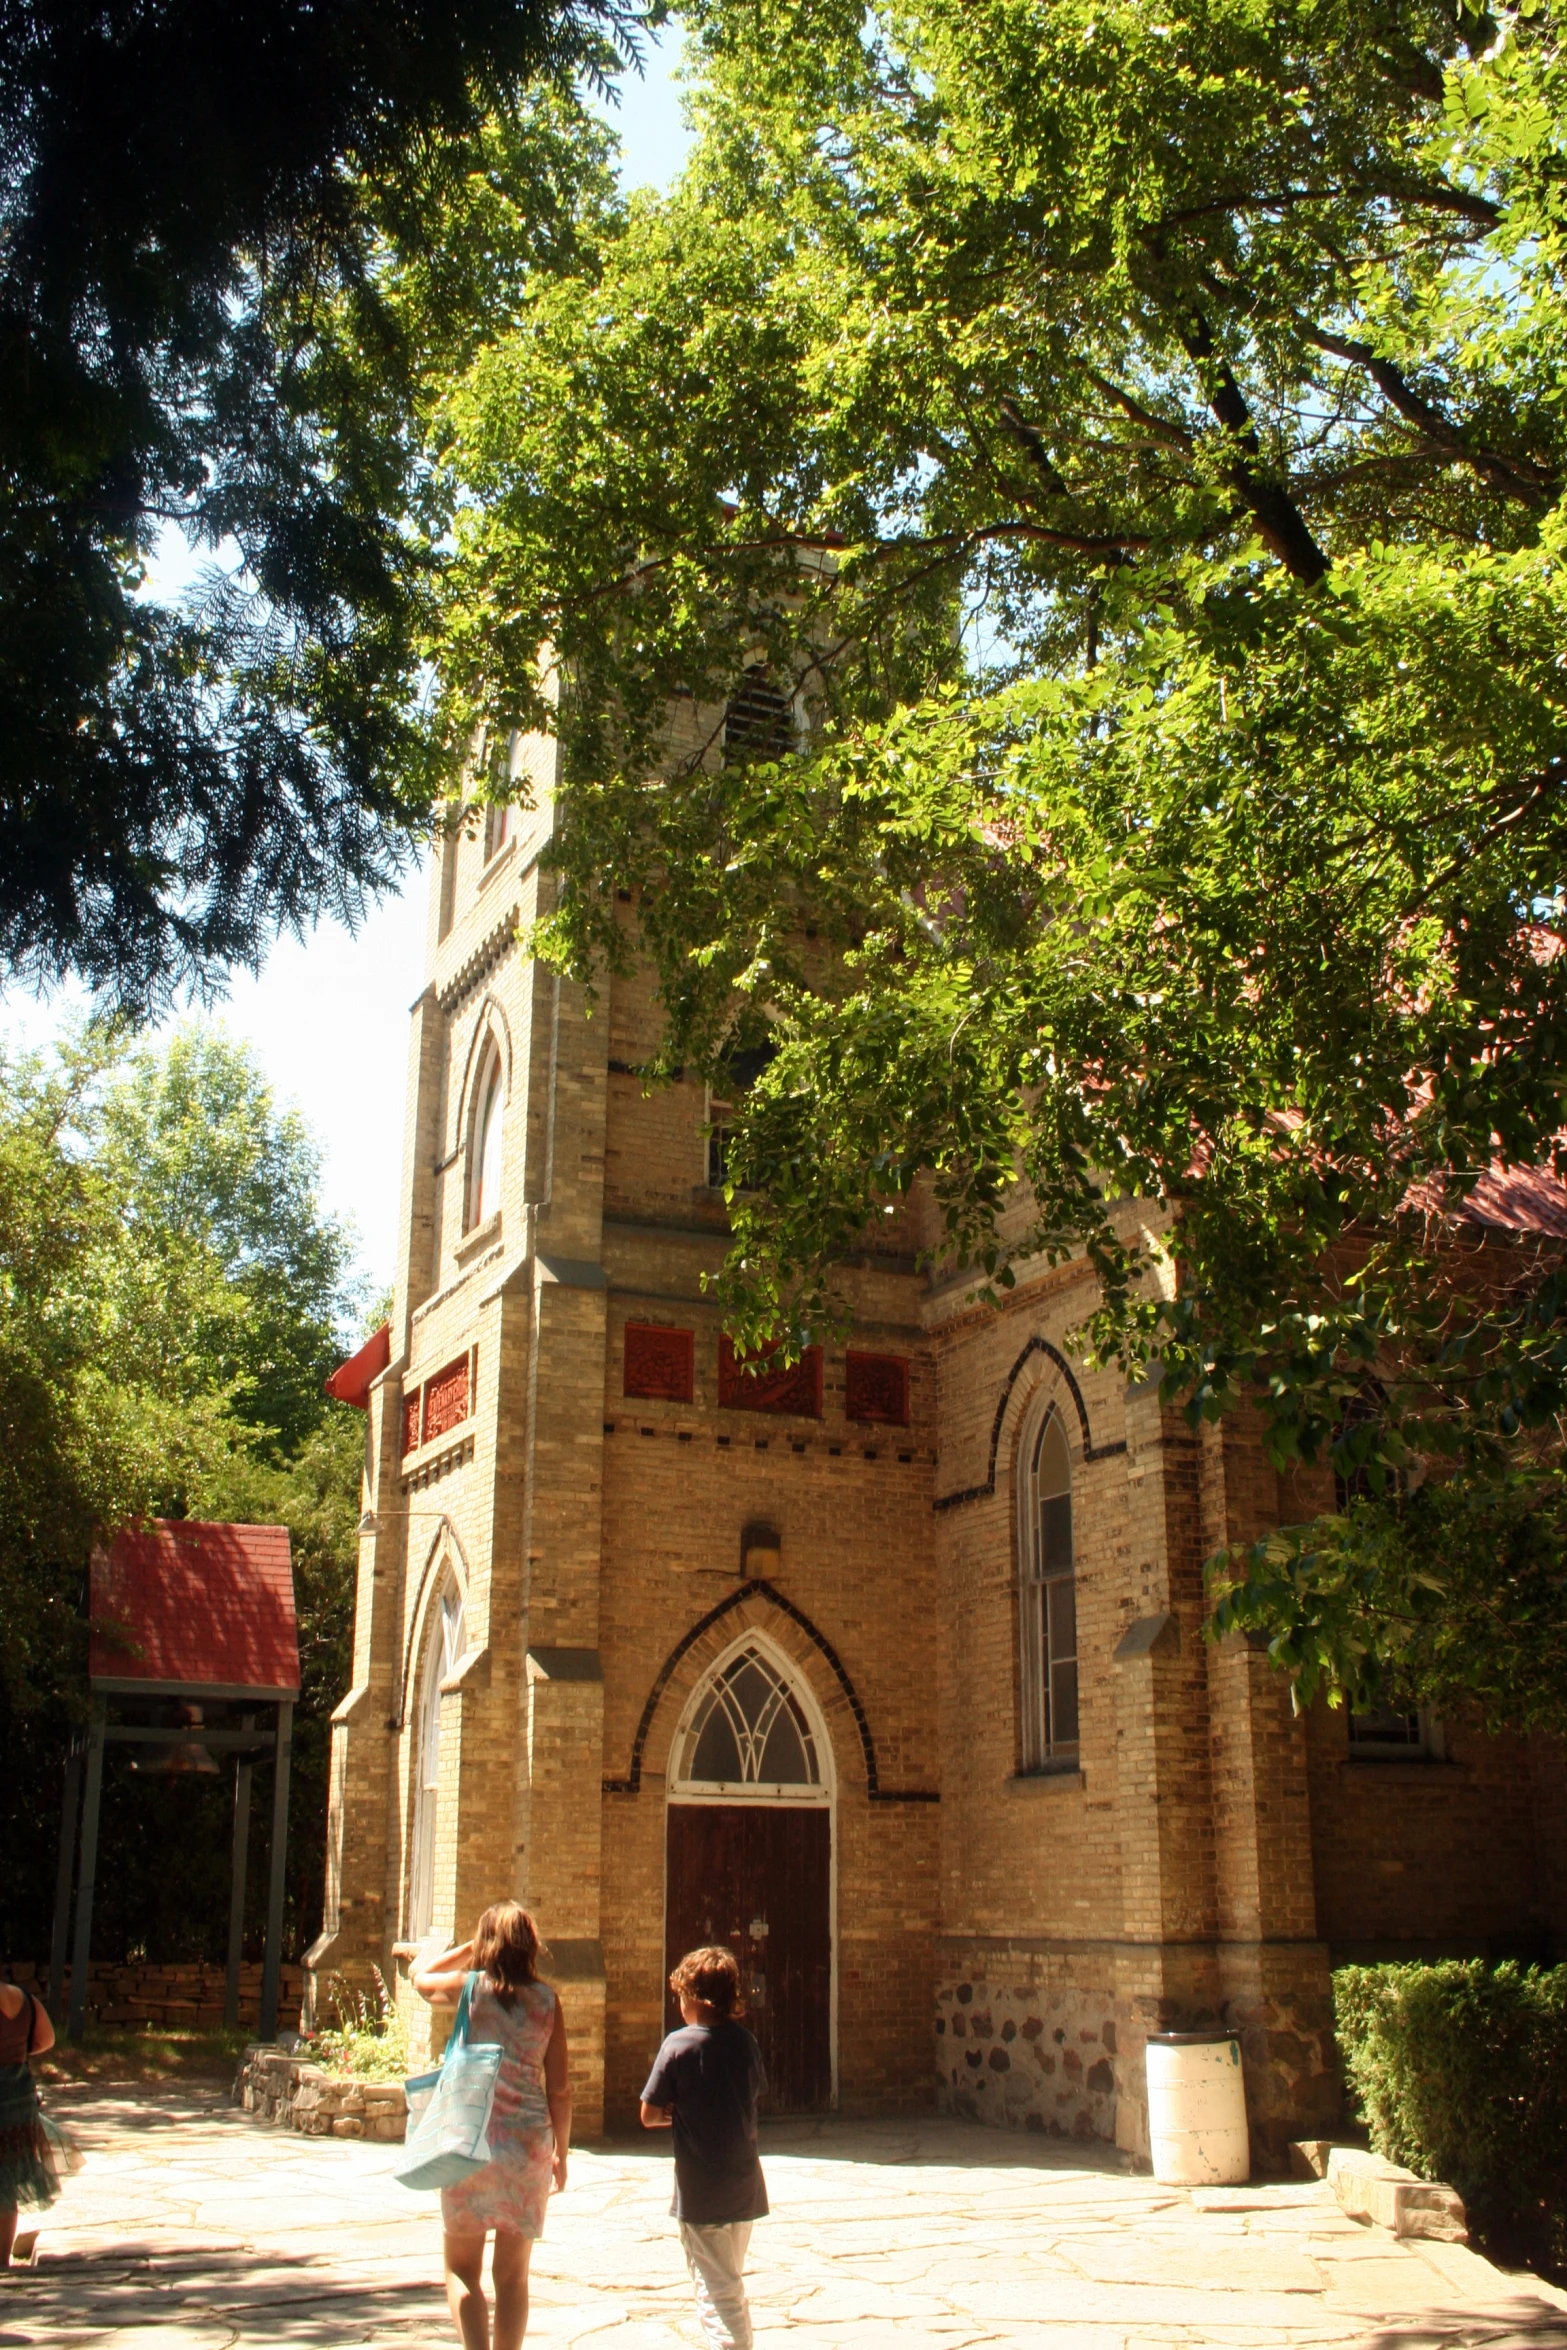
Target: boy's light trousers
(716, 2259)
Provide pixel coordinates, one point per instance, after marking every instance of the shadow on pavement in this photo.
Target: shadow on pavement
(934, 2139)
(1519, 2325)
(279, 2296)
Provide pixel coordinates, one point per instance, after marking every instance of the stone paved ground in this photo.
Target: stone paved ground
(192, 2229)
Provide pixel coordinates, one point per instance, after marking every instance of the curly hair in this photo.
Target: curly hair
(506, 1948)
(710, 1975)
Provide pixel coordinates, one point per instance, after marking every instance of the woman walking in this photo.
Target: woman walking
(530, 2130)
(25, 2031)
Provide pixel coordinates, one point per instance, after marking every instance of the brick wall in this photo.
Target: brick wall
(146, 1994)
(1195, 1863)
(1426, 1858)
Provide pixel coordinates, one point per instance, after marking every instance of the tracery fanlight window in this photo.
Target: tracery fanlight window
(448, 1645)
(1048, 1600)
(484, 1181)
(749, 1732)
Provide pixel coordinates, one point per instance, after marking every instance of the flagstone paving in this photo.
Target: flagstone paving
(193, 2229)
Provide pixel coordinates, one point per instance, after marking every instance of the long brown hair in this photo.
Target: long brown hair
(506, 1948)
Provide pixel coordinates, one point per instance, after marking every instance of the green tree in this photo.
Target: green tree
(226, 1278)
(171, 1296)
(204, 217)
(1135, 439)
(87, 1438)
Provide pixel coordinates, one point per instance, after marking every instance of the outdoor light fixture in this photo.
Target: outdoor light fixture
(371, 1523)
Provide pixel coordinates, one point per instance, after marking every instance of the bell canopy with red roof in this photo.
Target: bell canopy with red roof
(179, 1605)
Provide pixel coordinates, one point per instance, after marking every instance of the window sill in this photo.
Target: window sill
(497, 863)
(1419, 1764)
(479, 1238)
(1046, 1779)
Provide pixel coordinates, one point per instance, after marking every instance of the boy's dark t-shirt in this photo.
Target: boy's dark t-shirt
(711, 2076)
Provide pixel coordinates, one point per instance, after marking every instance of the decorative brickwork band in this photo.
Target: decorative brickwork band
(793, 1387)
(660, 1363)
(1091, 1451)
(758, 1588)
(876, 1388)
(411, 1420)
(447, 1399)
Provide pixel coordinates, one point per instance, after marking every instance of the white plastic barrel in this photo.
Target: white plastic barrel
(1197, 2110)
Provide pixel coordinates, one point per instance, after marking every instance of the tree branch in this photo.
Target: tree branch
(1029, 439)
(1499, 472)
(1161, 427)
(1533, 789)
(1468, 206)
(1275, 512)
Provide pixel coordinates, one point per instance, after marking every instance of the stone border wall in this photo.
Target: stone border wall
(146, 1994)
(293, 2094)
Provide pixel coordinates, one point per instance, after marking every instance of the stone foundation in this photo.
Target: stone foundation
(1031, 2037)
(1027, 2054)
(293, 2094)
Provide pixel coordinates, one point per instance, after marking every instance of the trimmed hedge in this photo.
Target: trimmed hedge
(1460, 2072)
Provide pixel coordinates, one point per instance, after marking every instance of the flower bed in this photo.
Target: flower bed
(294, 2093)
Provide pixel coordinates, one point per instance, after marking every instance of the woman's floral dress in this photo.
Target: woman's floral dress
(513, 2189)
(25, 2184)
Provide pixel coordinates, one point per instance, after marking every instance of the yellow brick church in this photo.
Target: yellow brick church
(887, 1669)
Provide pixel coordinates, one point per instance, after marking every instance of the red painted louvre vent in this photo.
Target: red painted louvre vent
(660, 1363)
(792, 1387)
(876, 1388)
(178, 1604)
(446, 1403)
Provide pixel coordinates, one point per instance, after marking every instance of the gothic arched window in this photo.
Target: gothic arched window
(500, 826)
(484, 1181)
(750, 1731)
(448, 1645)
(1048, 1600)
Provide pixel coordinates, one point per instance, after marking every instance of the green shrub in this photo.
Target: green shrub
(369, 2039)
(1460, 2070)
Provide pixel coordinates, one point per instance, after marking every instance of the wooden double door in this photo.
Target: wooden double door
(758, 1876)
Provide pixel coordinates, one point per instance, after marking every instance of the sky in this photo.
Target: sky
(327, 1016)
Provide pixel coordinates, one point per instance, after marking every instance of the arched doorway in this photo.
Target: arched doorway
(749, 1861)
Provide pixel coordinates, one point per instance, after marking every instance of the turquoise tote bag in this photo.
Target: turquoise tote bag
(449, 2111)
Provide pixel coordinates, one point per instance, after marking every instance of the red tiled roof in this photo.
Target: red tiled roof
(1518, 1199)
(351, 1381)
(180, 1604)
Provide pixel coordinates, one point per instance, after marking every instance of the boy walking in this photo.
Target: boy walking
(705, 2082)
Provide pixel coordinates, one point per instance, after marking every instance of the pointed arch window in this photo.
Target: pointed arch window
(484, 1182)
(500, 827)
(1048, 1601)
(749, 1733)
(448, 1645)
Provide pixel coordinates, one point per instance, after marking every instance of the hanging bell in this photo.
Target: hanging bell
(182, 1757)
